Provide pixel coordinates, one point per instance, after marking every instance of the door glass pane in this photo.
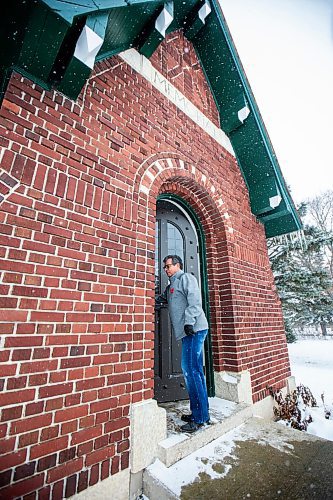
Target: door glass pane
(157, 259)
(175, 241)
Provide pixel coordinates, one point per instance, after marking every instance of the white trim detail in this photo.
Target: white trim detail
(275, 201)
(144, 190)
(164, 19)
(150, 175)
(158, 166)
(87, 47)
(243, 114)
(144, 67)
(204, 11)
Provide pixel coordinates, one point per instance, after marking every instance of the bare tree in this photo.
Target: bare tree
(320, 210)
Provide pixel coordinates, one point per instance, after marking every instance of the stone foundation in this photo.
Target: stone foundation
(148, 428)
(116, 487)
(234, 386)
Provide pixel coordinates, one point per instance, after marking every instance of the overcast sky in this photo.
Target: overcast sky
(286, 47)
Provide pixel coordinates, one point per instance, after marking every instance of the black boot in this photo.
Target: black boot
(191, 427)
(187, 418)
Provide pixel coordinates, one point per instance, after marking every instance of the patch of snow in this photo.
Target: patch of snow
(188, 469)
(173, 439)
(312, 365)
(320, 426)
(222, 406)
(229, 378)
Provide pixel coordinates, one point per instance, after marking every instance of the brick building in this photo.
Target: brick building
(120, 125)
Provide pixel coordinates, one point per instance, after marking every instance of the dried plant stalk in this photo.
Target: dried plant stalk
(288, 408)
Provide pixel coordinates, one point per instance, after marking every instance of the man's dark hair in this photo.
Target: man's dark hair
(175, 260)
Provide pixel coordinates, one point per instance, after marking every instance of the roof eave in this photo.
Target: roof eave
(49, 57)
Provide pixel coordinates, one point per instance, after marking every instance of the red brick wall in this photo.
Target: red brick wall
(78, 190)
(177, 61)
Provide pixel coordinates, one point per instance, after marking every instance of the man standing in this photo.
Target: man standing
(190, 325)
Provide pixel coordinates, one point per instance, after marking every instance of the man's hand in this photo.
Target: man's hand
(188, 329)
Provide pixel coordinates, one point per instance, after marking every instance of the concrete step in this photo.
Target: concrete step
(225, 416)
(154, 488)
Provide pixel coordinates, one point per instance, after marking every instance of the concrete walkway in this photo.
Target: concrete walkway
(257, 460)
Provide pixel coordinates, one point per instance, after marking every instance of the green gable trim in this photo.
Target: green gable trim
(43, 38)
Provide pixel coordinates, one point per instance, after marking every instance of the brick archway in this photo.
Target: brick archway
(170, 173)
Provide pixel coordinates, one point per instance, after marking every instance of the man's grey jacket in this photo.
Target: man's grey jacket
(184, 303)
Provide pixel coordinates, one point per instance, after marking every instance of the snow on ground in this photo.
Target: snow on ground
(216, 459)
(312, 365)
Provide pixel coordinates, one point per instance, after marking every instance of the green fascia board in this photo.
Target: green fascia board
(42, 40)
(194, 29)
(229, 85)
(294, 221)
(12, 29)
(69, 10)
(151, 43)
(256, 165)
(219, 67)
(150, 37)
(283, 224)
(77, 72)
(74, 78)
(126, 27)
(32, 35)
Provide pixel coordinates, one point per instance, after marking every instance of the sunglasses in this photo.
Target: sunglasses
(167, 266)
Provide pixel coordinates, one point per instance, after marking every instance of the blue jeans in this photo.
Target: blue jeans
(192, 366)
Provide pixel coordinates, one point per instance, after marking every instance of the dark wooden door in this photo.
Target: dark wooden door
(174, 235)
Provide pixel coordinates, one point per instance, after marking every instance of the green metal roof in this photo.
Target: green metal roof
(41, 40)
